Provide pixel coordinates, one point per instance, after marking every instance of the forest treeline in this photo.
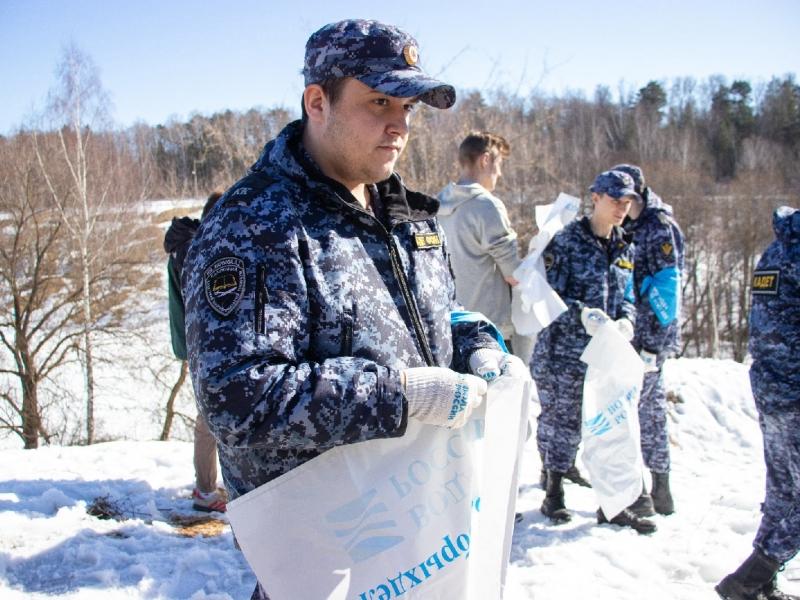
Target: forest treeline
(81, 255)
(722, 153)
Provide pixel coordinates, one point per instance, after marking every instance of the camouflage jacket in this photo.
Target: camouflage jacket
(302, 308)
(657, 277)
(775, 317)
(585, 271)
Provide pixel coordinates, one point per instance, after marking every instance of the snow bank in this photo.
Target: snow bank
(51, 548)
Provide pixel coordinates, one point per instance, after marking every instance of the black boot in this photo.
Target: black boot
(771, 592)
(575, 476)
(662, 497)
(543, 471)
(627, 519)
(755, 574)
(643, 505)
(553, 505)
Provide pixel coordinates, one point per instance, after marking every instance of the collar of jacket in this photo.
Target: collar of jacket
(786, 224)
(286, 157)
(619, 240)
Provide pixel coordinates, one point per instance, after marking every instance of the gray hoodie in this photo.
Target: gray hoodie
(483, 250)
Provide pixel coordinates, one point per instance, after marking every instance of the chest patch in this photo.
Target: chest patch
(224, 284)
(766, 282)
(423, 241)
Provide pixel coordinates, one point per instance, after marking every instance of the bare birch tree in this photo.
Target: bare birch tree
(93, 187)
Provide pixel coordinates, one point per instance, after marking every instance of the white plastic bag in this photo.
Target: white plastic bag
(610, 432)
(534, 304)
(394, 517)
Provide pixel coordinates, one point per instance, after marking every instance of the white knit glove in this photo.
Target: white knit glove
(625, 327)
(439, 396)
(491, 364)
(649, 360)
(592, 319)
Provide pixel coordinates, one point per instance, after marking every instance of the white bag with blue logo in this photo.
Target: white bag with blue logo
(534, 304)
(427, 515)
(611, 444)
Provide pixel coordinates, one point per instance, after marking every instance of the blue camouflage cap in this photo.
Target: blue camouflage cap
(614, 183)
(635, 172)
(378, 55)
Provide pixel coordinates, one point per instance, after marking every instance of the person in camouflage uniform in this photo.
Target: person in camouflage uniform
(775, 380)
(657, 283)
(589, 264)
(318, 291)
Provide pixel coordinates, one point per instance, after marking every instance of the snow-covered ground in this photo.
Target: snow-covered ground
(51, 548)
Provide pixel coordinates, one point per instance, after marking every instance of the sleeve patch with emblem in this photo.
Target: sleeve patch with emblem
(224, 284)
(766, 282)
(549, 260)
(666, 249)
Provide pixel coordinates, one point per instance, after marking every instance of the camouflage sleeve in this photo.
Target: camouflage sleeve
(660, 289)
(250, 326)
(558, 267)
(469, 337)
(627, 308)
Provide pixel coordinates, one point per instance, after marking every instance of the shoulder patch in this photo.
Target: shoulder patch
(224, 284)
(767, 282)
(666, 249)
(549, 260)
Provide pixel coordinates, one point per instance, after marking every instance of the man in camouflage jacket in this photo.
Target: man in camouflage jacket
(589, 264)
(318, 291)
(775, 379)
(657, 282)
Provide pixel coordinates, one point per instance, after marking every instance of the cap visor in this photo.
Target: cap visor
(412, 84)
(629, 192)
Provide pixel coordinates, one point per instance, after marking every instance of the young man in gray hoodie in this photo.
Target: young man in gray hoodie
(480, 238)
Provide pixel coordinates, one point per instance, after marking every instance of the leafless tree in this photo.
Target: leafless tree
(39, 310)
(88, 172)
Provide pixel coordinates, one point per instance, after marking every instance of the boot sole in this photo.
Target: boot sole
(722, 593)
(664, 512)
(207, 509)
(636, 529)
(558, 519)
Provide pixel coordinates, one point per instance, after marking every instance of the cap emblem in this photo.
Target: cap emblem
(411, 54)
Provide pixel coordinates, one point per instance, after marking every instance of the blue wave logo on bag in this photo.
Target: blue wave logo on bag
(359, 522)
(598, 425)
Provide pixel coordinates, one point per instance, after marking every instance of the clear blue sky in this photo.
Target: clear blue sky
(160, 58)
